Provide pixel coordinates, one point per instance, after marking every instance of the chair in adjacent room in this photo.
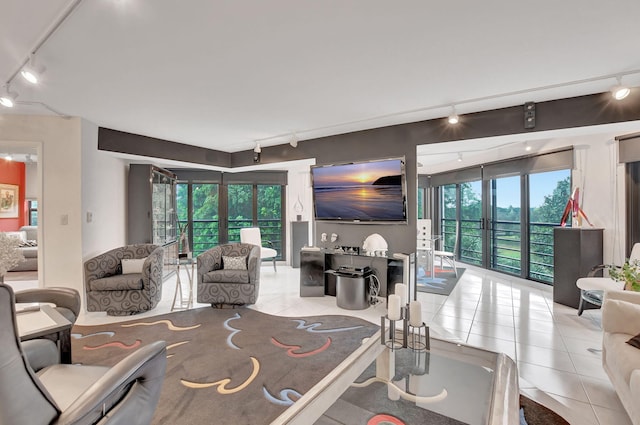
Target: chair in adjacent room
(125, 280)
(126, 393)
(593, 287)
(229, 274)
(252, 236)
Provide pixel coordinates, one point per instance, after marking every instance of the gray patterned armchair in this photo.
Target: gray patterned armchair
(124, 294)
(229, 274)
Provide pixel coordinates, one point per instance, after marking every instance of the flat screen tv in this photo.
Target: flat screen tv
(359, 192)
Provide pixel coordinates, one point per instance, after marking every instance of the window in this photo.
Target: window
(33, 213)
(506, 213)
(548, 195)
(215, 211)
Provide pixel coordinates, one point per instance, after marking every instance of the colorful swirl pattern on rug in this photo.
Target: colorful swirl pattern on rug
(238, 366)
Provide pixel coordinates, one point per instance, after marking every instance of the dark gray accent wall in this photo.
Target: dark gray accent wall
(392, 141)
(135, 144)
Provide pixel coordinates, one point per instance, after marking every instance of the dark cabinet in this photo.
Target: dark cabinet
(299, 238)
(575, 252)
(152, 214)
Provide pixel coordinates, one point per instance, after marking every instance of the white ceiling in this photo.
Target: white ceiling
(225, 74)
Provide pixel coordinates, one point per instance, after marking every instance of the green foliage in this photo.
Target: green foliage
(553, 206)
(506, 252)
(206, 215)
(629, 273)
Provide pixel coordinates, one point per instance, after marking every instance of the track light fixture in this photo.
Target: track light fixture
(31, 72)
(620, 91)
(8, 98)
(256, 153)
(453, 117)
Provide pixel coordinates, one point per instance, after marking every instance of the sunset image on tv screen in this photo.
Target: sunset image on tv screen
(360, 191)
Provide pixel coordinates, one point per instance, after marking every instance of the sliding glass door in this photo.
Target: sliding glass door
(548, 195)
(505, 230)
(471, 222)
(501, 216)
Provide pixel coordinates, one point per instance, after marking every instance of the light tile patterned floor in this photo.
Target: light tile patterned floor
(557, 352)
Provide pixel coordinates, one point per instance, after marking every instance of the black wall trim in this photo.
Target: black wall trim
(135, 144)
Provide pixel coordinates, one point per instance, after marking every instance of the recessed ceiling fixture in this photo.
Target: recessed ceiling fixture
(620, 91)
(527, 146)
(8, 98)
(453, 117)
(31, 72)
(459, 156)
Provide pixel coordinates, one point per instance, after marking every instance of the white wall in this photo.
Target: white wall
(104, 192)
(299, 188)
(32, 186)
(59, 230)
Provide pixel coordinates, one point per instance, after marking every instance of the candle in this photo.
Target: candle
(415, 313)
(393, 307)
(401, 291)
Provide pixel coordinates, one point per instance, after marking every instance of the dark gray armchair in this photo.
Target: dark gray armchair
(234, 284)
(124, 294)
(66, 300)
(126, 393)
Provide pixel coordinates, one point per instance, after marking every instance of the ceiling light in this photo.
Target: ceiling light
(8, 98)
(459, 156)
(294, 140)
(453, 118)
(31, 72)
(8, 157)
(256, 153)
(527, 146)
(620, 91)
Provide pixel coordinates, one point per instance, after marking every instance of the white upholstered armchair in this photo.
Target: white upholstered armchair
(252, 236)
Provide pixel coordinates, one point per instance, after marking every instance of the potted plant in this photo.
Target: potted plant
(629, 273)
(10, 254)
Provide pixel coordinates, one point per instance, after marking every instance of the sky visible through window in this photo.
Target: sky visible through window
(540, 185)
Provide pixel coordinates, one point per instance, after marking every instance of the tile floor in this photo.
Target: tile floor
(557, 352)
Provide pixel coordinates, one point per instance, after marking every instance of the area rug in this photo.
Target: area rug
(537, 414)
(442, 283)
(228, 366)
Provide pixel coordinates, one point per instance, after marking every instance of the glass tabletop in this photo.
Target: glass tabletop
(449, 384)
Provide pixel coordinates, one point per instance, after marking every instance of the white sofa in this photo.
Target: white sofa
(621, 361)
(28, 236)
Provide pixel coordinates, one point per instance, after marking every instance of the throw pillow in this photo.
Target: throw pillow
(234, 263)
(21, 235)
(635, 341)
(132, 265)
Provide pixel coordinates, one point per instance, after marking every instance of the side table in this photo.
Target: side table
(182, 303)
(42, 320)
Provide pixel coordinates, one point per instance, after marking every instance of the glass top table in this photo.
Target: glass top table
(453, 383)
